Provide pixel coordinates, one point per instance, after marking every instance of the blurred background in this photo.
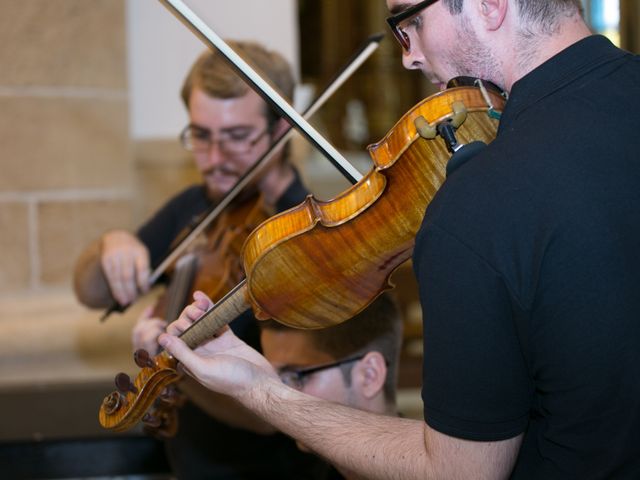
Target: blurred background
(89, 118)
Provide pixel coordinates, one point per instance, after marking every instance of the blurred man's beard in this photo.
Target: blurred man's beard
(219, 180)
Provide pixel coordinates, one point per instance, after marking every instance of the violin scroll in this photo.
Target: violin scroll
(122, 408)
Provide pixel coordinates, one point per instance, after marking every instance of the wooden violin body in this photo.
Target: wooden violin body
(320, 263)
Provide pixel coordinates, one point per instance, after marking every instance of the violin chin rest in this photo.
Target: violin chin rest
(463, 154)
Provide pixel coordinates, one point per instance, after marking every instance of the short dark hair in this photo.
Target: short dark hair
(213, 75)
(376, 328)
(542, 12)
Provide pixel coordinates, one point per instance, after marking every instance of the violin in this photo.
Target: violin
(320, 263)
(212, 263)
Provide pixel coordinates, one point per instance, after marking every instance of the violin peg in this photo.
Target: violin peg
(143, 359)
(151, 420)
(171, 397)
(124, 384)
(168, 393)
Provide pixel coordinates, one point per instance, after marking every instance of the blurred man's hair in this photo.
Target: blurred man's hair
(212, 74)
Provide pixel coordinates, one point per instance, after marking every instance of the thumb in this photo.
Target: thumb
(178, 349)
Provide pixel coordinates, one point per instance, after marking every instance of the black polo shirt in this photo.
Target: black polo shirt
(528, 262)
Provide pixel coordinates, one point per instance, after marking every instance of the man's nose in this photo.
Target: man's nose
(411, 60)
(215, 155)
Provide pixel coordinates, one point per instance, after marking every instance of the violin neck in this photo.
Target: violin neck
(222, 313)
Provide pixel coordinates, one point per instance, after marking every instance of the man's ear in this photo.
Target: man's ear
(370, 374)
(492, 12)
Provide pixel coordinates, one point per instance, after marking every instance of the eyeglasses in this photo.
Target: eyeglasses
(394, 22)
(199, 140)
(295, 377)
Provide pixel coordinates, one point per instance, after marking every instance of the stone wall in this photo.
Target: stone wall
(69, 172)
(67, 176)
(66, 157)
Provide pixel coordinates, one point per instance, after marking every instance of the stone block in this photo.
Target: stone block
(63, 43)
(63, 143)
(15, 265)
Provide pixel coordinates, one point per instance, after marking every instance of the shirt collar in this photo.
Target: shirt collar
(560, 70)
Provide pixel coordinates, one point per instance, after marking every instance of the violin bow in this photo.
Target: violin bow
(369, 46)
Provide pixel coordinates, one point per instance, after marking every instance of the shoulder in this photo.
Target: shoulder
(176, 213)
(195, 194)
(293, 195)
(186, 203)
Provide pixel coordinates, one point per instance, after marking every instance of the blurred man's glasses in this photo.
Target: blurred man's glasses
(395, 22)
(199, 140)
(295, 377)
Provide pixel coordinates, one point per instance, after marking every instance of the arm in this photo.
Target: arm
(224, 408)
(114, 267)
(89, 282)
(376, 446)
(366, 444)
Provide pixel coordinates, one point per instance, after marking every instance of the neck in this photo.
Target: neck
(276, 181)
(535, 48)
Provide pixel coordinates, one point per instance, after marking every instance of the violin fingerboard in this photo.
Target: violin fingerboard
(222, 313)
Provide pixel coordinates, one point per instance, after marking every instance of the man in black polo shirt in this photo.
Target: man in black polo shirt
(527, 262)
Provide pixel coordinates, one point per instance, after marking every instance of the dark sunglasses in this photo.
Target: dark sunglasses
(394, 22)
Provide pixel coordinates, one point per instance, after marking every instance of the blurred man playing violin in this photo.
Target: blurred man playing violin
(527, 265)
(230, 128)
